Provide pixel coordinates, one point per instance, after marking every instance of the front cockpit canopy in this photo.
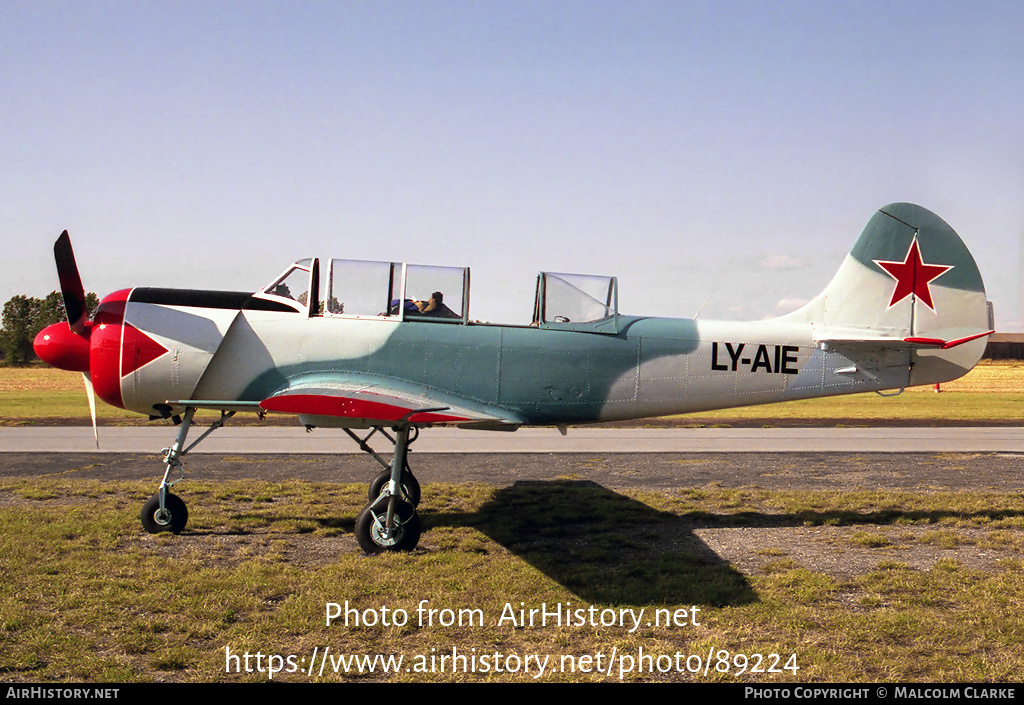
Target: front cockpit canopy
(368, 289)
(292, 287)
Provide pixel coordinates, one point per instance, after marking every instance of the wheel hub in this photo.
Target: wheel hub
(378, 531)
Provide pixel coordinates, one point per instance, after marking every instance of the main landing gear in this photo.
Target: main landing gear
(388, 522)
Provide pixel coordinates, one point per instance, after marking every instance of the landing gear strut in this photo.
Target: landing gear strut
(389, 521)
(165, 511)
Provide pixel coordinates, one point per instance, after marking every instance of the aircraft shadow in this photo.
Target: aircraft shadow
(607, 547)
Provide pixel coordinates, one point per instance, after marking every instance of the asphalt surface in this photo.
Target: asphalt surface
(953, 458)
(294, 439)
(998, 471)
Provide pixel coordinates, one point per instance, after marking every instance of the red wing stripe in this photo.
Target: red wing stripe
(322, 405)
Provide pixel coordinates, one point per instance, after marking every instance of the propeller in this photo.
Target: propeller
(73, 354)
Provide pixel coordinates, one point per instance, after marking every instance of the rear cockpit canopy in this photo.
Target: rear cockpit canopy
(569, 300)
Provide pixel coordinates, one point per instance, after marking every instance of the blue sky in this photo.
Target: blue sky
(730, 149)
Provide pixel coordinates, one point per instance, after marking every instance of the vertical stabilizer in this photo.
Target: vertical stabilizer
(909, 283)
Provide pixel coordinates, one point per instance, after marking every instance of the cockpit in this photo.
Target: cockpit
(417, 292)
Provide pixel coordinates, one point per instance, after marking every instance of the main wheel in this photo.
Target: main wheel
(173, 518)
(405, 533)
(410, 486)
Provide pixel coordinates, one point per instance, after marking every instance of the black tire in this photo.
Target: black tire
(173, 519)
(410, 486)
(405, 536)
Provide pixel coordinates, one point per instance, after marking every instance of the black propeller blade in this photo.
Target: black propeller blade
(71, 288)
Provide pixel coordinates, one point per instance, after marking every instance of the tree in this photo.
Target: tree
(92, 302)
(18, 331)
(25, 316)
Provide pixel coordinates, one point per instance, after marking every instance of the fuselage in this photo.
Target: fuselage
(219, 346)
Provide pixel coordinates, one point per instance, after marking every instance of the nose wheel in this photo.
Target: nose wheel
(172, 517)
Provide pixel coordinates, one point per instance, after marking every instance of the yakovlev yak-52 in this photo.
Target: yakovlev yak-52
(385, 346)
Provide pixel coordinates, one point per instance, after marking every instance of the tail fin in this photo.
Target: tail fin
(909, 284)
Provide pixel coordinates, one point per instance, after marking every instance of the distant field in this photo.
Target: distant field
(43, 394)
(992, 392)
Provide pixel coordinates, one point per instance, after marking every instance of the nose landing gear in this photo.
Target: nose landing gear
(165, 511)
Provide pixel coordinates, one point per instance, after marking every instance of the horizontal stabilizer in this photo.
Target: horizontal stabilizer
(946, 344)
(941, 340)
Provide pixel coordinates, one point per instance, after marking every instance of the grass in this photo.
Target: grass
(86, 596)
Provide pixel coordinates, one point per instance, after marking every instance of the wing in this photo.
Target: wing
(340, 399)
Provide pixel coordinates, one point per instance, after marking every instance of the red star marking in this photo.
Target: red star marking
(912, 276)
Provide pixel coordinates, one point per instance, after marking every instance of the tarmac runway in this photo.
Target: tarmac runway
(924, 459)
(278, 439)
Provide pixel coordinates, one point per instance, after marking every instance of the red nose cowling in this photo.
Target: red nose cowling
(56, 345)
(97, 351)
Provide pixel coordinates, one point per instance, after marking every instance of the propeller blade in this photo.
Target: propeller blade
(71, 288)
(92, 406)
